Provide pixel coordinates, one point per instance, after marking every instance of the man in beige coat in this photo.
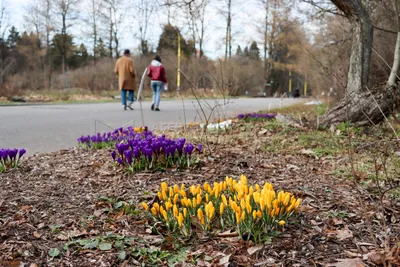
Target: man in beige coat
(125, 70)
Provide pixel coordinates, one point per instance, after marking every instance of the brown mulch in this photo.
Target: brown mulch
(53, 198)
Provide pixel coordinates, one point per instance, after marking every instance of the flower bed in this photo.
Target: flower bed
(10, 158)
(145, 152)
(108, 140)
(256, 116)
(255, 212)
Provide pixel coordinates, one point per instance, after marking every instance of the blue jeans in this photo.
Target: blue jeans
(130, 96)
(157, 88)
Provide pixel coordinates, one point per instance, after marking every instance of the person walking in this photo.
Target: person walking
(125, 70)
(156, 72)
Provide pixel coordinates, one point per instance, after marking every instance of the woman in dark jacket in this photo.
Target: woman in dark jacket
(156, 72)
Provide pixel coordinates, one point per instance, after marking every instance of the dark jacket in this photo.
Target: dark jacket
(156, 72)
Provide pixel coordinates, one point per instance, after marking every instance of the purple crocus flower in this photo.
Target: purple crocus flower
(21, 152)
(128, 156)
(200, 148)
(136, 152)
(119, 160)
(189, 148)
(114, 155)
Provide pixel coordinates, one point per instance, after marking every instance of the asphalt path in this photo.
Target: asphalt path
(48, 128)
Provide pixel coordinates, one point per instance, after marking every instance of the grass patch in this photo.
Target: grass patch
(304, 111)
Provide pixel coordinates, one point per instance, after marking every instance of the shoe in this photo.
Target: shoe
(124, 107)
(157, 109)
(152, 106)
(131, 108)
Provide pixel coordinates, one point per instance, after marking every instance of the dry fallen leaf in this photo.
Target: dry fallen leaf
(344, 234)
(36, 234)
(224, 261)
(375, 257)
(254, 249)
(347, 263)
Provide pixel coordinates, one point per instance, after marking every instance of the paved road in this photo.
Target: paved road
(48, 128)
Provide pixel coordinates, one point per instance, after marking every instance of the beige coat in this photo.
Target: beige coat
(125, 70)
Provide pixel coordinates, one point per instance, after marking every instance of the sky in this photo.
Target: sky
(246, 18)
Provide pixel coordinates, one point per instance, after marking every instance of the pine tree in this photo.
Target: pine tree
(254, 51)
(101, 50)
(13, 38)
(239, 51)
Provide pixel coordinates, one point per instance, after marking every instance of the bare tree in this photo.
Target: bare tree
(396, 62)
(6, 62)
(65, 10)
(228, 36)
(197, 12)
(144, 10)
(114, 15)
(94, 14)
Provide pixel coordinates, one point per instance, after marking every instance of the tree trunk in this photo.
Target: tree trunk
(360, 58)
(363, 109)
(359, 106)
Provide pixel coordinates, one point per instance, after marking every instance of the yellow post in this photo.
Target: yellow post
(290, 81)
(305, 88)
(178, 80)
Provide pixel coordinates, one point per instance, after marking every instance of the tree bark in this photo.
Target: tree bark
(363, 109)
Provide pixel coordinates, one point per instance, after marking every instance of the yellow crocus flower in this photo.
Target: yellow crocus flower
(192, 189)
(176, 197)
(180, 219)
(198, 198)
(256, 197)
(200, 216)
(165, 215)
(243, 179)
(259, 214)
(160, 196)
(221, 208)
(251, 190)
(277, 211)
(145, 206)
(185, 212)
(243, 215)
(175, 211)
(156, 206)
(287, 199)
(248, 208)
(258, 189)
(262, 205)
(189, 203)
(176, 189)
(296, 206)
(183, 193)
(207, 197)
(194, 202)
(182, 187)
(254, 215)
(164, 195)
(164, 186)
(237, 215)
(171, 192)
(243, 204)
(154, 211)
(224, 200)
(282, 223)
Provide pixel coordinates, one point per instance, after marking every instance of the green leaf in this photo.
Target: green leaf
(208, 258)
(54, 252)
(118, 205)
(105, 246)
(83, 242)
(92, 244)
(122, 255)
(119, 244)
